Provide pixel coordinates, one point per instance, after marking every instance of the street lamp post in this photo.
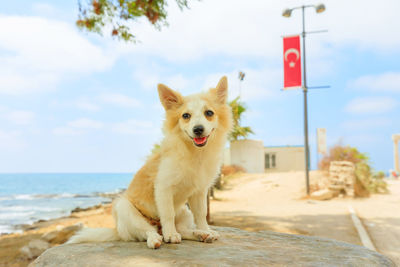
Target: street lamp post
(287, 13)
(241, 78)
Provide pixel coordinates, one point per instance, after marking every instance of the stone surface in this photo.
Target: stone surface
(34, 248)
(324, 194)
(235, 247)
(342, 177)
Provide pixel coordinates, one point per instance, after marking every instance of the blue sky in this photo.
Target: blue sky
(77, 102)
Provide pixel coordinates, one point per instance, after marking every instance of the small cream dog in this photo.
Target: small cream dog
(195, 129)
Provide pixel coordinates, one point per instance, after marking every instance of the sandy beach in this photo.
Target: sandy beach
(259, 202)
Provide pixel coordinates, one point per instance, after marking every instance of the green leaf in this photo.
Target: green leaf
(238, 108)
(96, 15)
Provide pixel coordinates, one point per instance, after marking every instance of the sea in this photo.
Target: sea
(29, 197)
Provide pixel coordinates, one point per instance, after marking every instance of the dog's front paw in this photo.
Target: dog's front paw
(172, 238)
(207, 236)
(154, 240)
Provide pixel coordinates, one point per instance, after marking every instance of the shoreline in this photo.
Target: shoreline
(104, 199)
(22, 228)
(11, 244)
(43, 223)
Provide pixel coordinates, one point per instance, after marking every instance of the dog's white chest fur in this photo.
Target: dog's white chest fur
(185, 178)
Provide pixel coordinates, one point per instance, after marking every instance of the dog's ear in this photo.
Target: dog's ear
(221, 91)
(168, 97)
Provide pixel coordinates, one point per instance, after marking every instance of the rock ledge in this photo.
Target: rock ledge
(235, 247)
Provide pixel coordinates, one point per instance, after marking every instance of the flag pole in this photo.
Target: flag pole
(287, 13)
(306, 150)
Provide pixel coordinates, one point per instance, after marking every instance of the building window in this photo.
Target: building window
(270, 160)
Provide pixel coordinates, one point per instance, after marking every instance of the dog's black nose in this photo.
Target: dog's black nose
(198, 130)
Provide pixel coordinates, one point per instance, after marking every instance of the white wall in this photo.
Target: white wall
(227, 156)
(248, 154)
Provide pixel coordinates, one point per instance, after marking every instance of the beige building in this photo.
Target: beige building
(284, 158)
(255, 158)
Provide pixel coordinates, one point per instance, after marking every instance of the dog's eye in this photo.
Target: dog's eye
(186, 116)
(208, 113)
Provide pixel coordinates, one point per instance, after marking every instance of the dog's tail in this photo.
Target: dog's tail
(94, 235)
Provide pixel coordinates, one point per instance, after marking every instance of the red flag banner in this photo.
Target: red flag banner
(291, 62)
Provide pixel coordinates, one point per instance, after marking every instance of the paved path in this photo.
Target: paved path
(274, 202)
(382, 220)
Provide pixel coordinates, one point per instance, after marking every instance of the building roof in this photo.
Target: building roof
(284, 146)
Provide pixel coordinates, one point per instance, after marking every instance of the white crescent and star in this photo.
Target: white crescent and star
(292, 51)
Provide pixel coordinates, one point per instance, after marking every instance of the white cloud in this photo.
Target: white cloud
(119, 100)
(20, 117)
(369, 123)
(38, 53)
(67, 131)
(15, 82)
(53, 45)
(149, 77)
(148, 80)
(11, 140)
(56, 49)
(96, 103)
(365, 24)
(211, 28)
(231, 28)
(178, 82)
(385, 82)
(363, 105)
(85, 123)
(87, 105)
(129, 127)
(258, 84)
(44, 9)
(135, 127)
(78, 127)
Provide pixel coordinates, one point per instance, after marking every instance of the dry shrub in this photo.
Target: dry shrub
(340, 153)
(363, 174)
(367, 181)
(231, 169)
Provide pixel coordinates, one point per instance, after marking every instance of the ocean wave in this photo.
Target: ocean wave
(20, 197)
(58, 196)
(27, 208)
(7, 229)
(15, 215)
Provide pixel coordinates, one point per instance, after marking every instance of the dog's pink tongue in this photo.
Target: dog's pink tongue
(200, 140)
